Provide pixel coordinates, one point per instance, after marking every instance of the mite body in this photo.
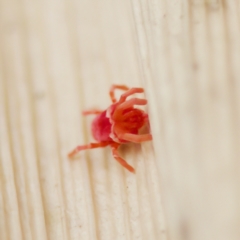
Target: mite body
(118, 124)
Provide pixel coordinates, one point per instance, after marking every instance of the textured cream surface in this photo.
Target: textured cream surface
(190, 53)
(58, 58)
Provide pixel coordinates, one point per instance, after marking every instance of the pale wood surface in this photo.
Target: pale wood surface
(60, 57)
(190, 53)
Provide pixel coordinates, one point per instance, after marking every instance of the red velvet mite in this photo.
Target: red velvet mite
(118, 124)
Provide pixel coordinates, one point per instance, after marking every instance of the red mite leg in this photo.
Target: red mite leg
(135, 138)
(113, 88)
(133, 101)
(127, 104)
(88, 146)
(130, 92)
(93, 111)
(119, 159)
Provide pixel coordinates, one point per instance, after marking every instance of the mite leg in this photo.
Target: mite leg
(130, 92)
(133, 101)
(93, 111)
(135, 138)
(128, 104)
(88, 146)
(119, 159)
(113, 88)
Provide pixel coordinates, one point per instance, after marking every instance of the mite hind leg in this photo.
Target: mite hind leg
(119, 159)
(85, 147)
(92, 111)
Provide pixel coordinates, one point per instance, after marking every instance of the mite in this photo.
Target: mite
(118, 124)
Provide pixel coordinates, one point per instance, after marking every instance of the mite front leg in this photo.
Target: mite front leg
(119, 159)
(88, 146)
(127, 104)
(131, 102)
(130, 92)
(135, 138)
(113, 88)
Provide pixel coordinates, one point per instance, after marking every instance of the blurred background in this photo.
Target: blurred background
(58, 58)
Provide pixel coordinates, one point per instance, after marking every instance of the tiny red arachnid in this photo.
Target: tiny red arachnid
(118, 124)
